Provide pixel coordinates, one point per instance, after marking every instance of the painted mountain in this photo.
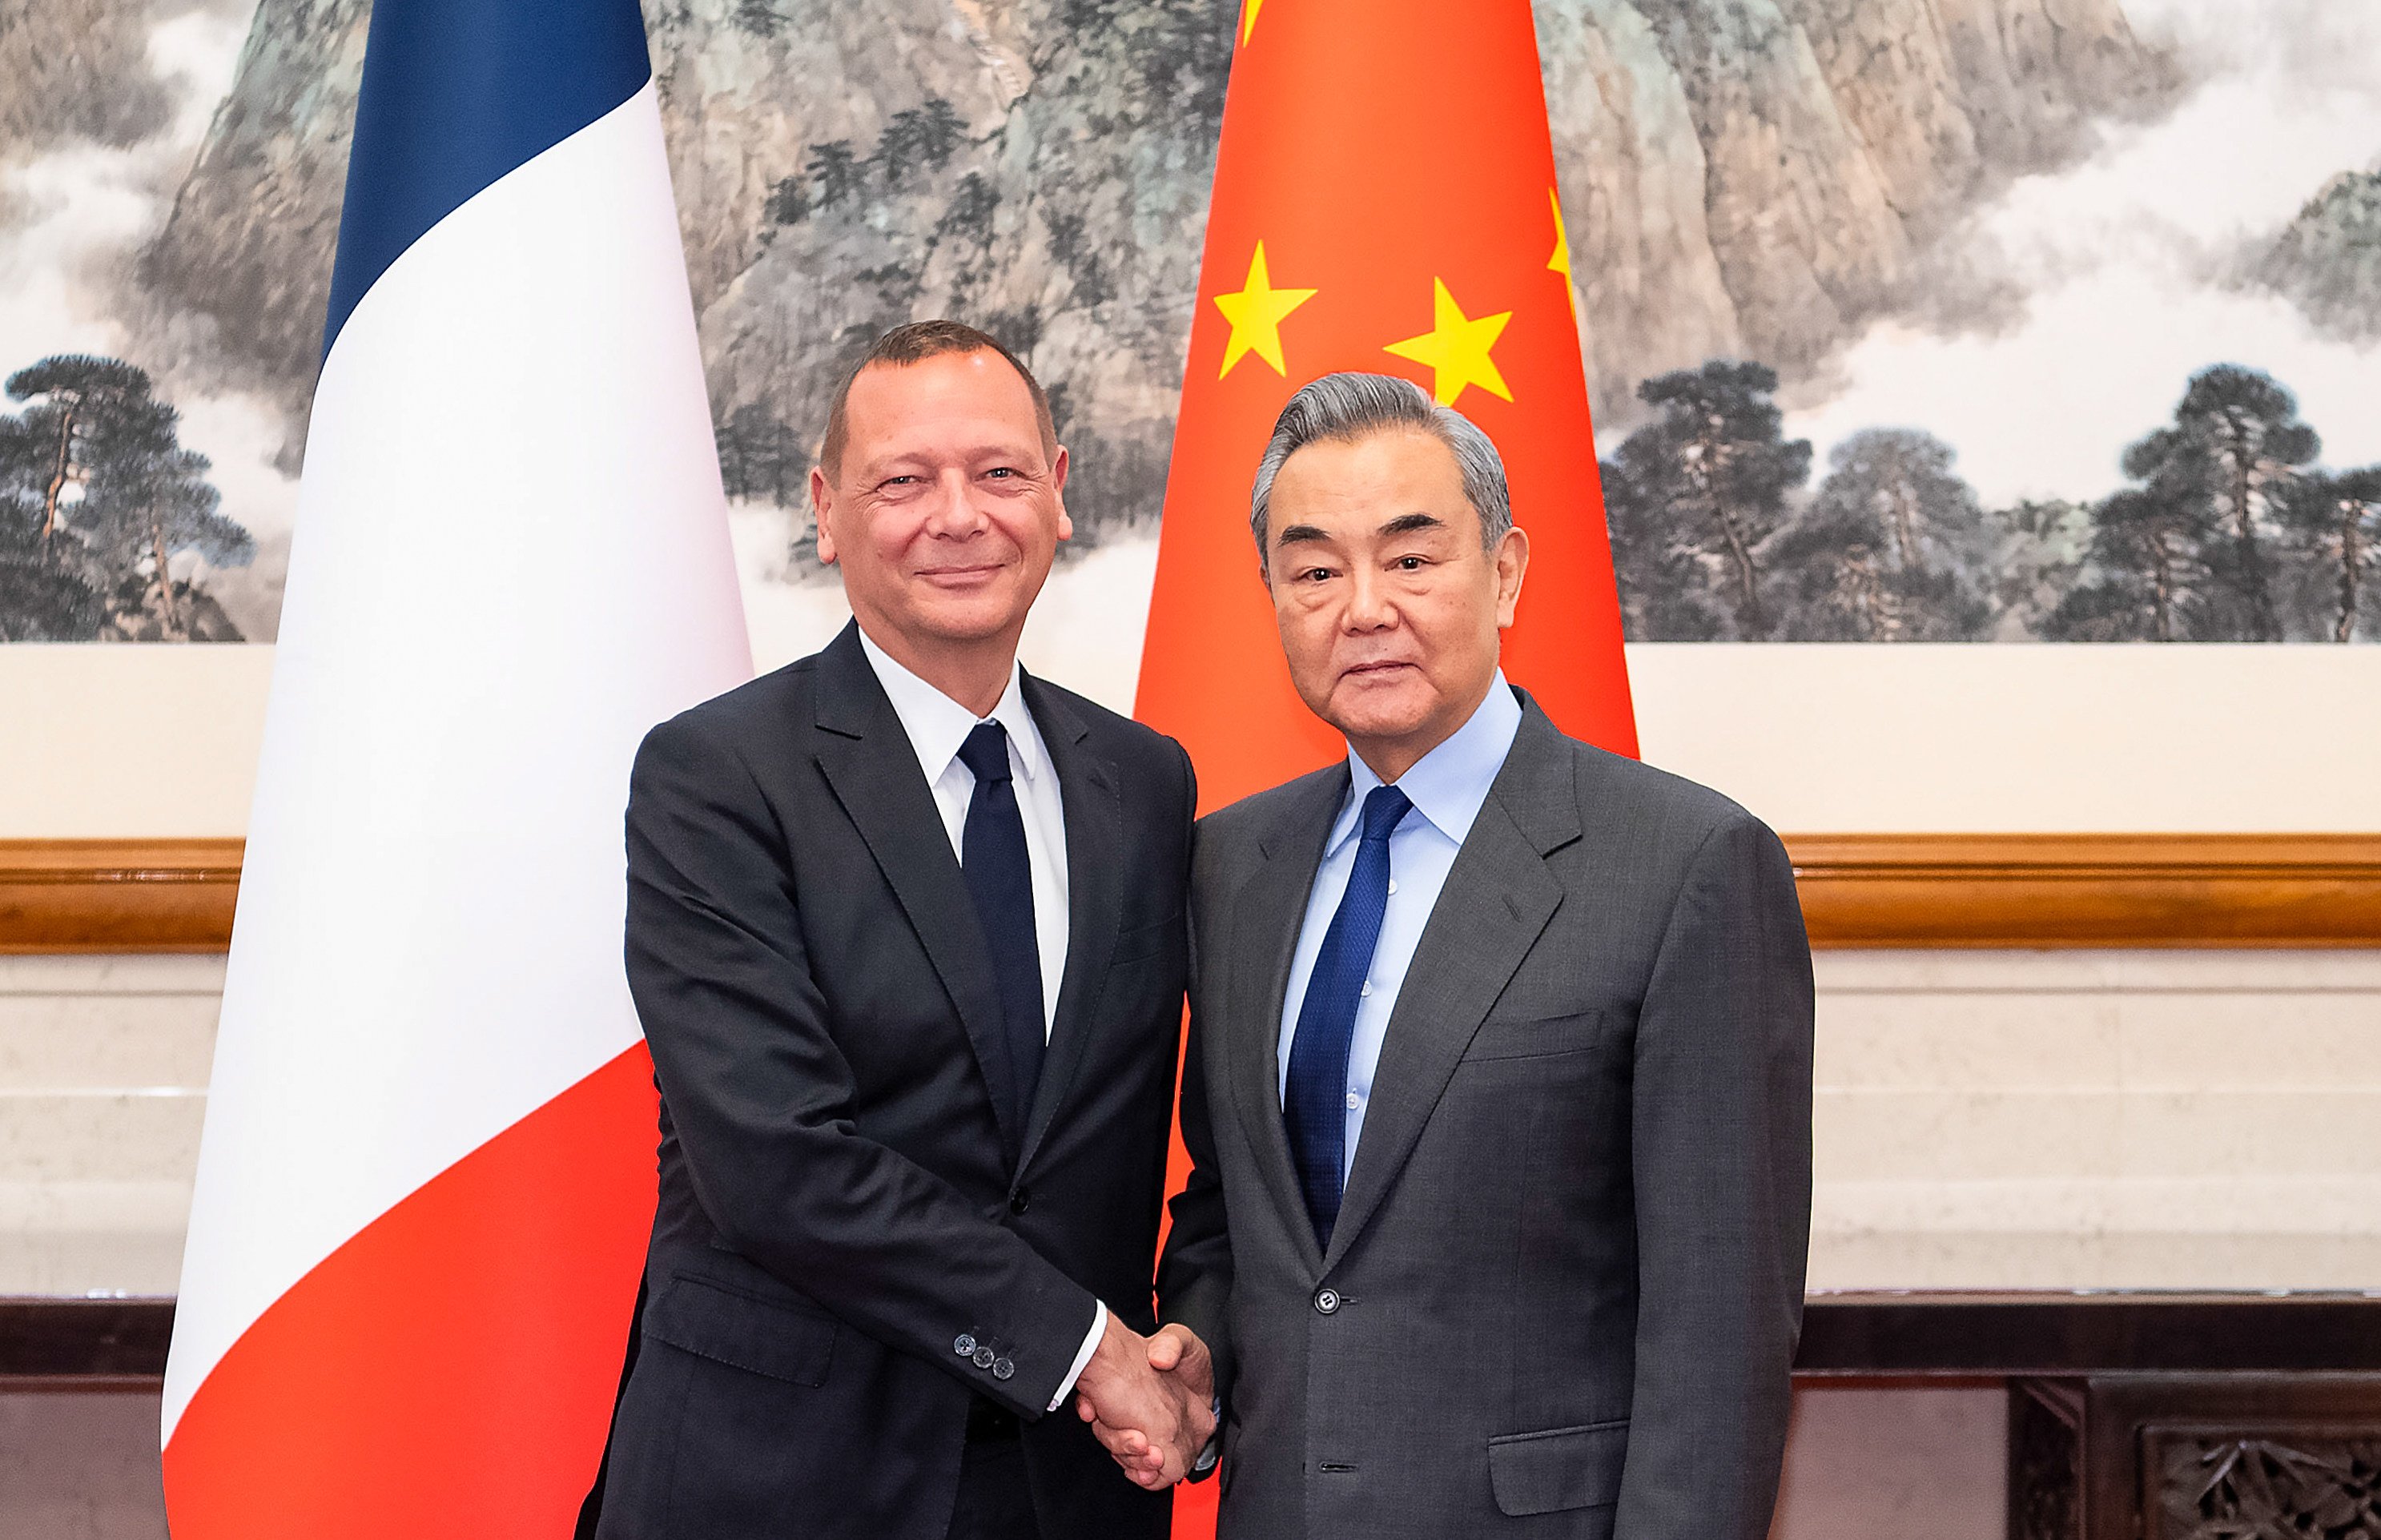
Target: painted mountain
(1830, 255)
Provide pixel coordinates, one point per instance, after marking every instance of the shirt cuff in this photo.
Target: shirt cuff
(1083, 1353)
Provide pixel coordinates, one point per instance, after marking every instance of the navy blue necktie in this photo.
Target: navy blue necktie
(1000, 879)
(1314, 1108)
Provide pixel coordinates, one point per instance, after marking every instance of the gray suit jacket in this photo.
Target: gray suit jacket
(1563, 1292)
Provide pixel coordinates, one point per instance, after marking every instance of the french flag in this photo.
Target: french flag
(427, 1173)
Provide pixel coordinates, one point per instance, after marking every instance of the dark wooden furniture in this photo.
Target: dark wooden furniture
(2196, 1456)
(2148, 1416)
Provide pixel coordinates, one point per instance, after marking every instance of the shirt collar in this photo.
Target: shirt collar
(937, 724)
(1449, 785)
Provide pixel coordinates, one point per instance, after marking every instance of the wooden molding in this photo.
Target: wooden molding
(2000, 891)
(1925, 1332)
(117, 895)
(80, 1343)
(50, 1342)
(2027, 890)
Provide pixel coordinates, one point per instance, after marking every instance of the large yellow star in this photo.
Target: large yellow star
(1457, 348)
(1248, 10)
(1256, 314)
(1560, 261)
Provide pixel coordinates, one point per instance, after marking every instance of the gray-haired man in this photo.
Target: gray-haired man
(1501, 1054)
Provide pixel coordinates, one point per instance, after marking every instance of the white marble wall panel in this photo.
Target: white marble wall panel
(2017, 1119)
(2098, 1119)
(103, 1087)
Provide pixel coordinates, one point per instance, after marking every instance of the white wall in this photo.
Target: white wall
(119, 742)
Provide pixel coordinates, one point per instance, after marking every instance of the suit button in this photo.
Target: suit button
(1327, 1300)
(982, 1358)
(1019, 1201)
(965, 1346)
(1002, 1369)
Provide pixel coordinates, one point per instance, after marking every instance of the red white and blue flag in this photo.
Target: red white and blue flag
(428, 1166)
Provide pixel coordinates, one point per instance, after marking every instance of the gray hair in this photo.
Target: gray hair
(1345, 407)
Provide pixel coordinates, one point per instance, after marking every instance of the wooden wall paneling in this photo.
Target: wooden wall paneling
(2030, 890)
(2004, 890)
(2051, 1339)
(2049, 1332)
(78, 1340)
(117, 895)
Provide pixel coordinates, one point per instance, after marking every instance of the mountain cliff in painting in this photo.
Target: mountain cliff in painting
(1742, 177)
(1948, 260)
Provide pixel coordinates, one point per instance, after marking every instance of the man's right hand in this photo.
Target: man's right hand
(1149, 1401)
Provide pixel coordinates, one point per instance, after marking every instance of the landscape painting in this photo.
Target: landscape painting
(2053, 321)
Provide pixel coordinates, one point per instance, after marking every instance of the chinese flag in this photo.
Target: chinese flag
(1384, 201)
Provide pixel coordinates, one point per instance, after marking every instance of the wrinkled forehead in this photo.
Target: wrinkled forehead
(950, 403)
(1385, 482)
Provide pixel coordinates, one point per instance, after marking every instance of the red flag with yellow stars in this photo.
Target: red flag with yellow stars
(1384, 201)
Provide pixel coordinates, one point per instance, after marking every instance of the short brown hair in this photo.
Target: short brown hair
(915, 343)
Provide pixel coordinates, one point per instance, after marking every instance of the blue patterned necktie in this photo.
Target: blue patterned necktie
(1314, 1108)
(1000, 880)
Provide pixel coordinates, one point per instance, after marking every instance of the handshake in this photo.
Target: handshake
(1150, 1400)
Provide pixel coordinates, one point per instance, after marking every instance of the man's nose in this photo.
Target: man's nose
(952, 512)
(1371, 606)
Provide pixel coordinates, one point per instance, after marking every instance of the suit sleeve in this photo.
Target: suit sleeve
(1721, 1151)
(760, 1096)
(1195, 1274)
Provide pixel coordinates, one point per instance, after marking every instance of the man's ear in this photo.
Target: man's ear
(822, 503)
(1512, 564)
(1058, 467)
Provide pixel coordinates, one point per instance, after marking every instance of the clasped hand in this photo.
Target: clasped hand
(1150, 1400)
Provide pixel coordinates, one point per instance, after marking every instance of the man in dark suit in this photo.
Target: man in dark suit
(906, 929)
(1500, 1100)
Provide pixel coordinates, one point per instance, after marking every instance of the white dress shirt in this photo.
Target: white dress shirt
(1447, 786)
(936, 726)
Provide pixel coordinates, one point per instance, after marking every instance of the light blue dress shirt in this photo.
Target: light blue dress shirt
(1447, 786)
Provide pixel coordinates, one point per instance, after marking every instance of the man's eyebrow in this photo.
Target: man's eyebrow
(1008, 449)
(1297, 533)
(1407, 523)
(906, 462)
(900, 462)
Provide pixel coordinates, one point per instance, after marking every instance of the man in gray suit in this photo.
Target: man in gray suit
(1500, 1088)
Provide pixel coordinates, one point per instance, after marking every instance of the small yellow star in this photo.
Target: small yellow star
(1256, 314)
(1560, 261)
(1457, 348)
(1248, 10)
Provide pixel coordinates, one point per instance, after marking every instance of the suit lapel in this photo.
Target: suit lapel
(1267, 913)
(1088, 791)
(1497, 899)
(872, 769)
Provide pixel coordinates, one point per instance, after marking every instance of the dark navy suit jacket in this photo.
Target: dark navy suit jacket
(855, 1237)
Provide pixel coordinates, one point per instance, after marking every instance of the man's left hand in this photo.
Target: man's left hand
(1154, 1422)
